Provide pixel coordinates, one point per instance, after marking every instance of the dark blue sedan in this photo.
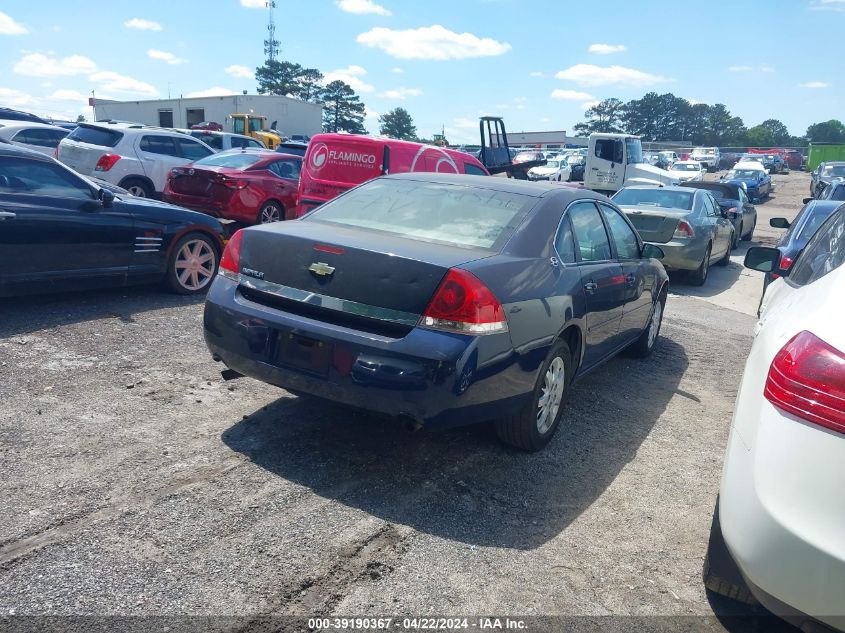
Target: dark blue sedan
(440, 299)
(61, 231)
(756, 180)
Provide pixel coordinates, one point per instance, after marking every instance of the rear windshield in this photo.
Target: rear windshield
(743, 174)
(233, 161)
(450, 214)
(816, 217)
(296, 150)
(654, 197)
(96, 136)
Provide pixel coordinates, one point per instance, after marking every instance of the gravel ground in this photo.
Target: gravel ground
(137, 482)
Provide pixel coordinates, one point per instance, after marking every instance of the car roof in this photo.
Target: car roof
(687, 162)
(833, 162)
(16, 151)
(726, 187)
(492, 183)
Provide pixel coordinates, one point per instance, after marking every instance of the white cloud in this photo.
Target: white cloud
(15, 98)
(241, 72)
(212, 92)
(164, 56)
(572, 95)
(432, 43)
(397, 70)
(814, 85)
(40, 65)
(401, 93)
(350, 75)
(361, 7)
(143, 25)
(371, 114)
(590, 75)
(694, 102)
(67, 95)
(766, 69)
(115, 82)
(536, 73)
(9, 27)
(606, 49)
(254, 4)
(545, 119)
(465, 123)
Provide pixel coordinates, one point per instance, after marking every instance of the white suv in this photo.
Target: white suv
(135, 157)
(709, 157)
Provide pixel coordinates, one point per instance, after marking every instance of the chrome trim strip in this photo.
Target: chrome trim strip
(332, 303)
(155, 250)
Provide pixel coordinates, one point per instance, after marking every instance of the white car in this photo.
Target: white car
(778, 533)
(710, 157)
(556, 169)
(222, 141)
(37, 136)
(135, 157)
(687, 171)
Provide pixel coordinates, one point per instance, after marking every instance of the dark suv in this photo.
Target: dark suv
(825, 174)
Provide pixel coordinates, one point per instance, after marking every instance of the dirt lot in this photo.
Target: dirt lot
(136, 481)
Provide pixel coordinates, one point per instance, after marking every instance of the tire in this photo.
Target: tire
(737, 237)
(271, 211)
(526, 430)
(721, 574)
(727, 258)
(644, 345)
(138, 187)
(188, 272)
(750, 236)
(699, 275)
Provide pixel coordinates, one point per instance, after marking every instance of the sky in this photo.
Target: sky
(537, 63)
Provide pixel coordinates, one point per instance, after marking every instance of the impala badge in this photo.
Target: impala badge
(319, 268)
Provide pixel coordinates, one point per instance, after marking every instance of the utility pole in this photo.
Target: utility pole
(271, 44)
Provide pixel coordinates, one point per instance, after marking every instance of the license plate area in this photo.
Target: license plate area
(304, 353)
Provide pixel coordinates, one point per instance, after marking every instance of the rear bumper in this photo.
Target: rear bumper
(435, 378)
(225, 209)
(681, 255)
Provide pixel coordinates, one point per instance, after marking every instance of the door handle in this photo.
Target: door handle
(591, 287)
(7, 215)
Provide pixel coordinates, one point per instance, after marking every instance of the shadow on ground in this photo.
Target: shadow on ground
(464, 484)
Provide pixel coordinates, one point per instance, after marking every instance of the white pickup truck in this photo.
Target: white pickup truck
(709, 157)
(616, 160)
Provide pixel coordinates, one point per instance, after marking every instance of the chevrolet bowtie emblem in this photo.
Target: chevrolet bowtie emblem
(319, 268)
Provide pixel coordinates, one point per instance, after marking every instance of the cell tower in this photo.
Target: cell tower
(271, 44)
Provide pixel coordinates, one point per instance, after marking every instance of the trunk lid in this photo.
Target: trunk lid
(655, 224)
(81, 157)
(378, 277)
(192, 181)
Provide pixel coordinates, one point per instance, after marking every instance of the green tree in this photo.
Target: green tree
(832, 131)
(397, 123)
(605, 116)
(759, 136)
(780, 135)
(288, 79)
(724, 129)
(342, 109)
(81, 118)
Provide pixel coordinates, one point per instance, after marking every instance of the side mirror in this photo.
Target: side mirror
(781, 223)
(762, 258)
(106, 198)
(650, 251)
(806, 200)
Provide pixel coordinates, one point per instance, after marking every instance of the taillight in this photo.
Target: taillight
(231, 183)
(230, 263)
(807, 379)
(733, 210)
(784, 265)
(56, 152)
(106, 162)
(462, 303)
(684, 230)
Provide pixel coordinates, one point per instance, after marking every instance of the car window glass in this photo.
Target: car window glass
(41, 178)
(838, 193)
(159, 145)
(473, 170)
(564, 242)
(824, 253)
(253, 143)
(212, 140)
(593, 244)
(627, 245)
(238, 142)
(286, 169)
(699, 207)
(193, 150)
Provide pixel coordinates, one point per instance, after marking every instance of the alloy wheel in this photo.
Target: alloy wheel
(548, 405)
(654, 326)
(137, 191)
(270, 213)
(195, 264)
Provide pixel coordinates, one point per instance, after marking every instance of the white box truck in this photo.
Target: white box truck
(615, 161)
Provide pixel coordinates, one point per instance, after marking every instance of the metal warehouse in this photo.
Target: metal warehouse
(289, 116)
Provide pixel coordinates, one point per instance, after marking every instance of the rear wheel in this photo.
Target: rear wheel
(270, 212)
(533, 427)
(192, 264)
(138, 187)
(699, 275)
(750, 235)
(736, 237)
(644, 345)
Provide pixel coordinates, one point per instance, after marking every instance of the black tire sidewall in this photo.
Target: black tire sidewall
(148, 193)
(270, 203)
(170, 278)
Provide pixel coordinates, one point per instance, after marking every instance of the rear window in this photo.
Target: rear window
(825, 252)
(815, 218)
(449, 214)
(295, 150)
(96, 136)
(654, 197)
(234, 161)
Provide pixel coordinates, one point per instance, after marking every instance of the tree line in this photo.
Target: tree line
(666, 117)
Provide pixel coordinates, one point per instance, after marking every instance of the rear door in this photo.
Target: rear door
(721, 226)
(54, 230)
(283, 182)
(602, 281)
(606, 169)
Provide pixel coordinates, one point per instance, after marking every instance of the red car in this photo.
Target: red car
(208, 125)
(247, 186)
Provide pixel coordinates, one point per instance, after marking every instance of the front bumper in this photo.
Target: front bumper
(438, 379)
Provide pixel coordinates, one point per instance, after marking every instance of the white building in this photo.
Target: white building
(552, 139)
(289, 116)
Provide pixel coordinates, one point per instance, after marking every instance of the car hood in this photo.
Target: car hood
(154, 210)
